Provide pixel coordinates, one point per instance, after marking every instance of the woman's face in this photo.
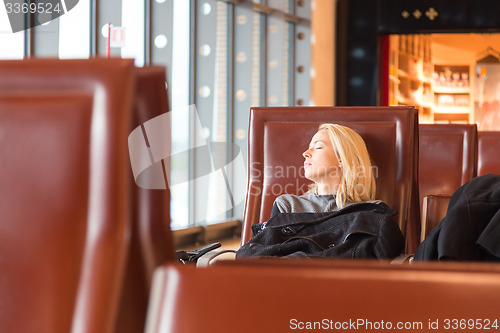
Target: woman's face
(321, 164)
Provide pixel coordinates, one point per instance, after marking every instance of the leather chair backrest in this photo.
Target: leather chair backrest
(279, 135)
(150, 243)
(63, 192)
(488, 157)
(447, 157)
(352, 296)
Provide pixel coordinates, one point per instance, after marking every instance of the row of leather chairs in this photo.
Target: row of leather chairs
(79, 240)
(332, 294)
(82, 238)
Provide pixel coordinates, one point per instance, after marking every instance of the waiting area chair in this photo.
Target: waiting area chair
(447, 160)
(64, 192)
(279, 135)
(447, 157)
(361, 296)
(488, 156)
(150, 239)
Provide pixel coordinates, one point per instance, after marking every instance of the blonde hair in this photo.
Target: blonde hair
(357, 181)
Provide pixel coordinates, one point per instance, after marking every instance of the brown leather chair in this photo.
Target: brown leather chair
(488, 157)
(279, 135)
(447, 157)
(63, 192)
(349, 296)
(150, 243)
(447, 160)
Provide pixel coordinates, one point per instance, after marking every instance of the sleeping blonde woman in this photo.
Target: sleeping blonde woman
(339, 217)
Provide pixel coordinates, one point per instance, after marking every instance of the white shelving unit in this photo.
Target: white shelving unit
(453, 100)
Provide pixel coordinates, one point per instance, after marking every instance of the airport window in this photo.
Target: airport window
(240, 54)
(133, 27)
(74, 32)
(11, 44)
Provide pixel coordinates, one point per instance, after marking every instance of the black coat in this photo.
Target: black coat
(470, 231)
(364, 230)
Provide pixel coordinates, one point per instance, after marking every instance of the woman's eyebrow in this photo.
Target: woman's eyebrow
(315, 142)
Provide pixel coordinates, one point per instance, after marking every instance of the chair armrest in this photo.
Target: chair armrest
(219, 254)
(434, 209)
(402, 259)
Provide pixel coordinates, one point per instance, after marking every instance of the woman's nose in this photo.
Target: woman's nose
(306, 154)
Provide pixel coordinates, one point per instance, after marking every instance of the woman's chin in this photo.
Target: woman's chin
(309, 177)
